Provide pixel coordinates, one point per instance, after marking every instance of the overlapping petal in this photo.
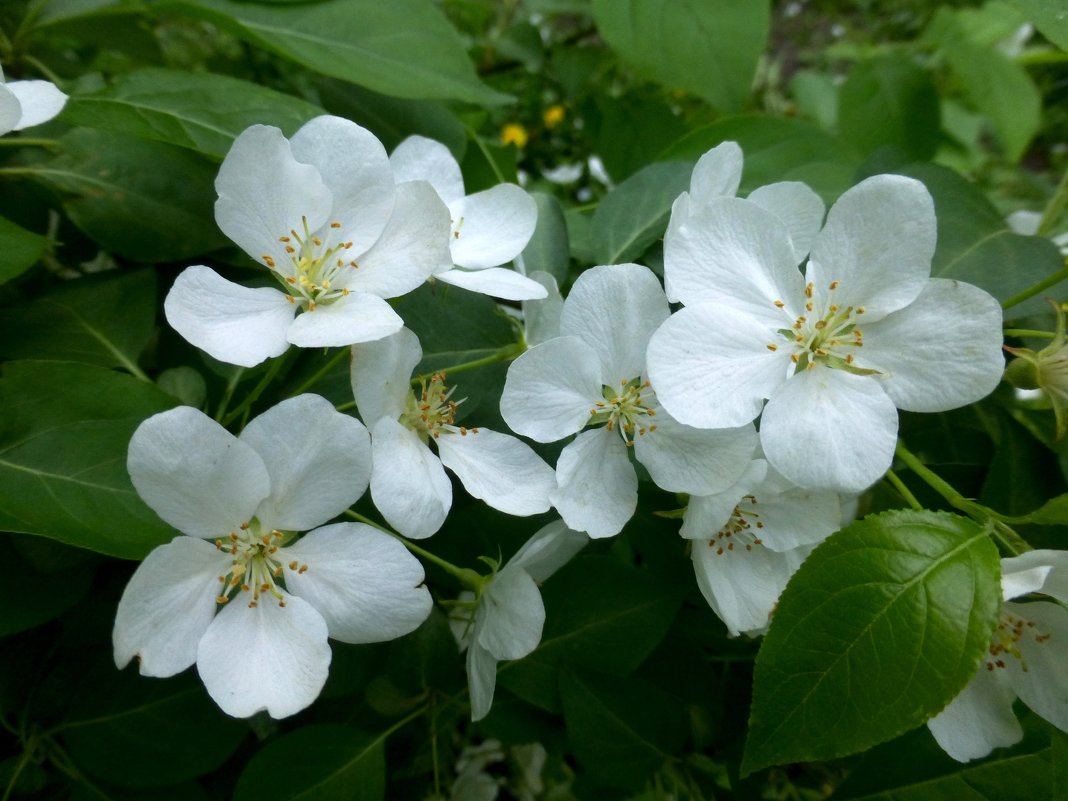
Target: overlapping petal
(509, 620)
(408, 484)
(597, 489)
(498, 469)
(381, 374)
(420, 159)
(357, 317)
(491, 227)
(497, 282)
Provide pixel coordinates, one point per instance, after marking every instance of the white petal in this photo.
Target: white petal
(742, 586)
(826, 429)
(510, 617)
(597, 487)
(491, 227)
(195, 474)
(10, 110)
(1043, 686)
(364, 583)
(941, 351)
(355, 168)
(268, 657)
(413, 246)
(615, 309)
(381, 374)
(541, 318)
(707, 514)
(548, 550)
(717, 174)
(499, 469)
(796, 517)
(357, 317)
(800, 209)
(408, 483)
(978, 720)
(265, 193)
(734, 252)
(693, 460)
(878, 243)
(40, 101)
(420, 159)
(550, 390)
(319, 461)
(481, 679)
(231, 322)
(1055, 579)
(497, 282)
(711, 367)
(168, 605)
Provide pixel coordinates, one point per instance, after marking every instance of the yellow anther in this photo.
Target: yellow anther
(772, 346)
(834, 285)
(779, 304)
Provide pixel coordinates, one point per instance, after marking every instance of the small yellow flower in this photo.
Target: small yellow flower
(514, 134)
(553, 115)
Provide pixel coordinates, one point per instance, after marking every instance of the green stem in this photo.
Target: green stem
(43, 68)
(24, 760)
(1042, 285)
(466, 576)
(488, 156)
(1028, 332)
(228, 393)
(505, 354)
(321, 372)
(974, 510)
(903, 491)
(344, 407)
(19, 171)
(254, 395)
(25, 141)
(1013, 542)
(1054, 208)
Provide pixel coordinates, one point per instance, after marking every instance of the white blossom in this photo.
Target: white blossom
(24, 104)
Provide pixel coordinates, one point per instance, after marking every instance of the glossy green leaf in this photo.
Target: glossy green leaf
(105, 320)
(879, 629)
(199, 111)
(549, 249)
(708, 48)
(404, 48)
(635, 214)
(21, 249)
(889, 102)
(63, 441)
(1049, 16)
(634, 130)
(1052, 513)
(317, 763)
(35, 596)
(139, 199)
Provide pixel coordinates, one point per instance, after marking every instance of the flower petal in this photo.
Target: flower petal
(195, 474)
(491, 227)
(1054, 581)
(408, 483)
(978, 720)
(497, 282)
(550, 548)
(355, 168)
(550, 389)
(800, 209)
(707, 514)
(498, 469)
(481, 679)
(168, 605)
(717, 174)
(510, 617)
(615, 309)
(941, 351)
(420, 159)
(796, 517)
(826, 429)
(10, 110)
(319, 461)
(265, 193)
(231, 322)
(597, 487)
(40, 101)
(878, 242)
(364, 583)
(357, 317)
(1039, 678)
(541, 318)
(381, 374)
(269, 656)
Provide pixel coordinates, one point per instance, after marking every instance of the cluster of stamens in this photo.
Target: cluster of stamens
(315, 268)
(432, 409)
(822, 338)
(625, 410)
(739, 529)
(1010, 630)
(256, 566)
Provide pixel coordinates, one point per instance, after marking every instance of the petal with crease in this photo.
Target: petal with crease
(497, 282)
(717, 174)
(597, 487)
(40, 101)
(408, 483)
(978, 720)
(510, 618)
(548, 550)
(420, 159)
(491, 227)
(357, 317)
(381, 374)
(800, 209)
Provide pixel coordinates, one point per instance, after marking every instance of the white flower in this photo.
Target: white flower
(750, 539)
(836, 352)
(594, 374)
(239, 502)
(322, 213)
(24, 104)
(489, 228)
(509, 616)
(408, 482)
(1025, 660)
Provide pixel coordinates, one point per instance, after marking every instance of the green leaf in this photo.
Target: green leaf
(199, 111)
(635, 214)
(316, 763)
(142, 200)
(63, 441)
(878, 630)
(135, 731)
(34, 596)
(599, 614)
(1049, 17)
(549, 249)
(404, 48)
(21, 249)
(1053, 512)
(105, 320)
(708, 48)
(889, 102)
(622, 729)
(633, 132)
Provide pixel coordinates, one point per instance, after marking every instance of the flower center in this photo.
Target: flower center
(432, 410)
(739, 529)
(1011, 629)
(256, 568)
(626, 409)
(313, 267)
(829, 336)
